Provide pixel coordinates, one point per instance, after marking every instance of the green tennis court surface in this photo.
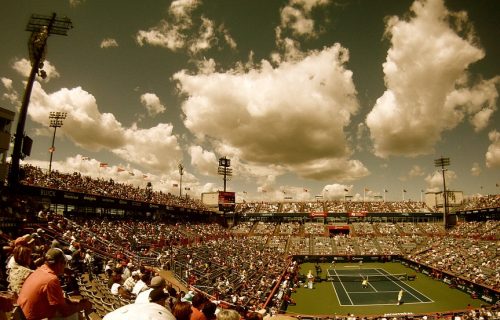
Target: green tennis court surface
(382, 287)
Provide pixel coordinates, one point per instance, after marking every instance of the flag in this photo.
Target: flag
(103, 165)
(120, 169)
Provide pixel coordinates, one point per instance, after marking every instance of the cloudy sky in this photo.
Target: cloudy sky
(306, 97)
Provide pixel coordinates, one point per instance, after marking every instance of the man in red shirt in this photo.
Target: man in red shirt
(198, 301)
(42, 296)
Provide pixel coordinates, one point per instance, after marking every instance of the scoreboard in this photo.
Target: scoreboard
(226, 201)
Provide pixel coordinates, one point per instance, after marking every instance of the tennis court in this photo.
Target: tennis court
(382, 288)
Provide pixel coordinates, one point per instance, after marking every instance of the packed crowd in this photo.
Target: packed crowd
(243, 266)
(481, 202)
(206, 255)
(333, 206)
(76, 182)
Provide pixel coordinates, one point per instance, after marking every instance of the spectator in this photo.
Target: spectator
(132, 280)
(198, 302)
(156, 283)
(20, 269)
(42, 296)
(228, 314)
(182, 310)
(209, 309)
(141, 285)
(154, 309)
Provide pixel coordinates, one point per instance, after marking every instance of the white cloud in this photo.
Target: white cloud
(7, 83)
(416, 171)
(205, 38)
(493, 153)
(335, 191)
(23, 67)
(427, 85)
(476, 169)
(296, 16)
(152, 103)
(204, 161)
(164, 35)
(74, 3)
(155, 148)
(109, 43)
(435, 180)
(11, 95)
(291, 116)
(181, 9)
(177, 30)
(296, 20)
(227, 37)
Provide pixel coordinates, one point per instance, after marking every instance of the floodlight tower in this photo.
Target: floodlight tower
(41, 28)
(225, 170)
(444, 162)
(56, 121)
(181, 172)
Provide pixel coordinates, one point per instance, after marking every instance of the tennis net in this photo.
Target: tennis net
(369, 277)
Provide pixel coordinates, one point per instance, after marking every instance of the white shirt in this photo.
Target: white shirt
(141, 311)
(114, 288)
(143, 297)
(139, 287)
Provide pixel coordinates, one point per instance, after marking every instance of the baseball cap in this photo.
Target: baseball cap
(157, 282)
(157, 295)
(55, 254)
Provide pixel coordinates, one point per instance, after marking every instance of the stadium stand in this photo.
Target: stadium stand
(247, 267)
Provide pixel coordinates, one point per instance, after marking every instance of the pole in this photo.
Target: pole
(52, 149)
(41, 27)
(181, 172)
(445, 196)
(18, 141)
(442, 162)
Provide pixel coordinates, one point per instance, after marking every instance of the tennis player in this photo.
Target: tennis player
(364, 284)
(400, 297)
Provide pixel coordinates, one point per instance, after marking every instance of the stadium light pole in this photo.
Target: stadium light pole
(56, 121)
(225, 170)
(181, 172)
(41, 28)
(444, 162)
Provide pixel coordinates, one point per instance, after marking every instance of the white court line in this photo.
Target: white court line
(373, 286)
(378, 270)
(345, 290)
